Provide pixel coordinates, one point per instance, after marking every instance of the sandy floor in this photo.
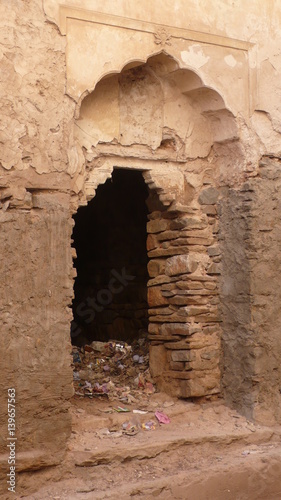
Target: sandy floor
(206, 452)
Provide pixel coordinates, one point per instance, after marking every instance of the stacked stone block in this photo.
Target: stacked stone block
(184, 320)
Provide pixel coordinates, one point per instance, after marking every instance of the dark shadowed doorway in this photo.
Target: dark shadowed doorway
(110, 240)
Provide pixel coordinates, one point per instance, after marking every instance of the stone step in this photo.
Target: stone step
(149, 444)
(251, 476)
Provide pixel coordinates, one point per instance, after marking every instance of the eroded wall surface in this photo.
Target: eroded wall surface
(47, 168)
(36, 266)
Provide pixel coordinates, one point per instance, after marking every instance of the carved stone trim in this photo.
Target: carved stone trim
(69, 12)
(162, 37)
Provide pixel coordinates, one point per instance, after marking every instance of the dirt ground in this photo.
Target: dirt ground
(206, 452)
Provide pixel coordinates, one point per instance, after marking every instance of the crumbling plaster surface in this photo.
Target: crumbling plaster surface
(260, 27)
(38, 163)
(42, 175)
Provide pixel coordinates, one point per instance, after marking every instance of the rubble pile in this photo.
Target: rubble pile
(114, 370)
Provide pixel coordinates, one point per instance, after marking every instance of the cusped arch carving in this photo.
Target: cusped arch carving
(156, 105)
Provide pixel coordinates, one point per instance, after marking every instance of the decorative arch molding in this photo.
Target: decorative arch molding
(100, 44)
(113, 67)
(156, 111)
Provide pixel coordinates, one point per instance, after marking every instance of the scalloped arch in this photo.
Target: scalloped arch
(114, 111)
(135, 62)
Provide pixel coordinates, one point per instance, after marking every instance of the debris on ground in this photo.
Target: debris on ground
(117, 372)
(162, 417)
(114, 370)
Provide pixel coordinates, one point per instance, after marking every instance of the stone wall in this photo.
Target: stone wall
(183, 298)
(250, 293)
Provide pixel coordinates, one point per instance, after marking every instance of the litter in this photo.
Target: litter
(106, 433)
(149, 388)
(113, 369)
(149, 426)
(76, 357)
(162, 417)
(140, 412)
(121, 410)
(130, 429)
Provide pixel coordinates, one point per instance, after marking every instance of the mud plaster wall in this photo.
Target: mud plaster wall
(36, 148)
(34, 327)
(250, 293)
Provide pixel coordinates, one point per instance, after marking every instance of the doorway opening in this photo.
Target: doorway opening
(110, 240)
(109, 331)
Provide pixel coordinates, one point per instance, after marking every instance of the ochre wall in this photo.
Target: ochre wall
(42, 179)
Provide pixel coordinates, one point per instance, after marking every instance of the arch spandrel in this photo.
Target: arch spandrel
(100, 44)
(153, 110)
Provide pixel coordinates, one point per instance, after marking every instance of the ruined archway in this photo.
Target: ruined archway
(109, 237)
(162, 120)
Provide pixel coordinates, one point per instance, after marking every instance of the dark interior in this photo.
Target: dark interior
(110, 240)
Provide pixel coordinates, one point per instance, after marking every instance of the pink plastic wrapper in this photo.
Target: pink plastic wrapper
(162, 417)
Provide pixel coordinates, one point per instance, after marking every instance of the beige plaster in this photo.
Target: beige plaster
(194, 88)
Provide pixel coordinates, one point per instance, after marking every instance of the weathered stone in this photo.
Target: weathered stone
(173, 318)
(185, 300)
(208, 196)
(210, 329)
(156, 267)
(195, 311)
(189, 277)
(155, 297)
(175, 329)
(170, 251)
(199, 387)
(208, 355)
(217, 260)
(165, 338)
(214, 269)
(191, 241)
(181, 355)
(154, 215)
(212, 317)
(169, 235)
(204, 364)
(210, 285)
(200, 341)
(181, 345)
(161, 310)
(157, 360)
(157, 225)
(174, 365)
(210, 210)
(209, 378)
(151, 242)
(167, 294)
(213, 251)
(181, 264)
(153, 328)
(158, 280)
